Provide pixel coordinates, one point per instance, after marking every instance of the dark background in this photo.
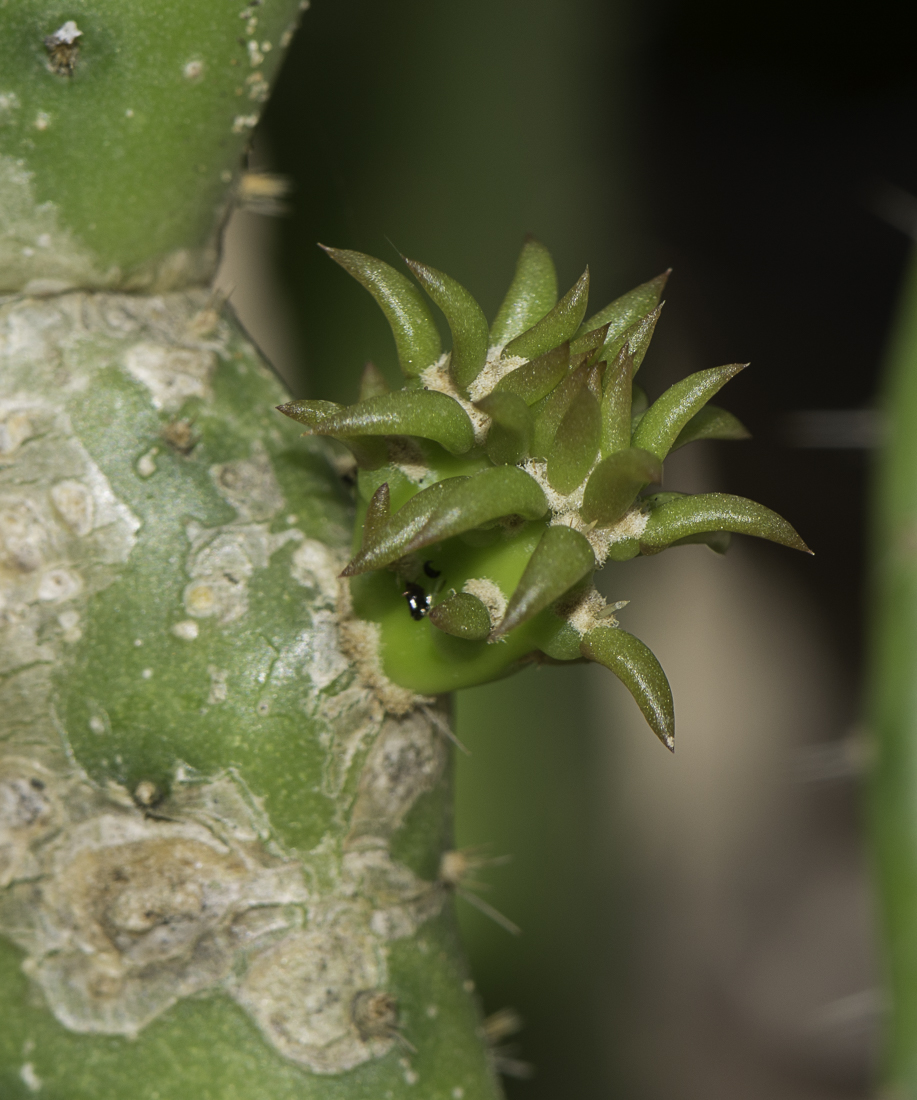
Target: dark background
(766, 153)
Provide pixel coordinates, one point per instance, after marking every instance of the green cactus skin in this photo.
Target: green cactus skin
(221, 827)
(117, 174)
(177, 694)
(505, 472)
(892, 711)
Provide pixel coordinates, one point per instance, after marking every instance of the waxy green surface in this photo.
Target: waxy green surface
(133, 701)
(137, 148)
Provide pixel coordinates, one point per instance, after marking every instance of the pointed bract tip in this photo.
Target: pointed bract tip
(662, 279)
(797, 543)
(332, 253)
(289, 409)
(731, 369)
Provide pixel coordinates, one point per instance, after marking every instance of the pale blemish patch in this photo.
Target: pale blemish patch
(258, 87)
(407, 759)
(69, 622)
(439, 377)
(348, 723)
(30, 1078)
(15, 429)
(187, 630)
(193, 70)
(630, 526)
(560, 504)
(121, 913)
(146, 463)
(62, 534)
(306, 1015)
(29, 814)
(64, 263)
(323, 661)
(361, 642)
(61, 264)
(222, 560)
(249, 486)
(171, 374)
(9, 105)
(58, 585)
(219, 685)
(315, 566)
(75, 504)
(147, 794)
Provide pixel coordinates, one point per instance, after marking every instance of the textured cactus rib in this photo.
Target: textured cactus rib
(505, 472)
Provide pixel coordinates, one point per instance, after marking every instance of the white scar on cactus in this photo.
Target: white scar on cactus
(121, 913)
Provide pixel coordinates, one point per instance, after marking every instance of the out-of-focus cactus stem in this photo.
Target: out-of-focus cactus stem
(892, 698)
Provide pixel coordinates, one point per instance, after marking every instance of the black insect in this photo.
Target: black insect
(418, 600)
(430, 571)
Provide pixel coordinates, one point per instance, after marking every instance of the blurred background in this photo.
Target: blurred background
(696, 926)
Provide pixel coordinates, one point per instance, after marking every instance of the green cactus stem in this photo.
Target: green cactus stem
(218, 844)
(222, 830)
(892, 703)
(119, 148)
(505, 472)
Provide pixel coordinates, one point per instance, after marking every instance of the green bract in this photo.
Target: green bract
(505, 472)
